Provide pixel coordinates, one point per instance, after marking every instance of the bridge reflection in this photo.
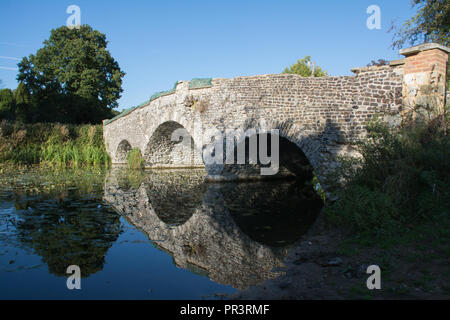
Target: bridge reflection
(235, 233)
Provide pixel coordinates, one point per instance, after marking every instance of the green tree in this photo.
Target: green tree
(23, 106)
(430, 24)
(73, 78)
(304, 68)
(6, 103)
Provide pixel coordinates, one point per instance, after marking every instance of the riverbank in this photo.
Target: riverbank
(329, 263)
(393, 212)
(52, 145)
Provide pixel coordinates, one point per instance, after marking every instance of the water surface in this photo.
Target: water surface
(144, 235)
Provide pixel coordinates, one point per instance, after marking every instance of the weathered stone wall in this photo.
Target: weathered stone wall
(163, 152)
(322, 116)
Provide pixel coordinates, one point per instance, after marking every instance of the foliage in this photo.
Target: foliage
(403, 179)
(135, 159)
(380, 62)
(303, 67)
(52, 145)
(23, 111)
(318, 188)
(73, 78)
(430, 24)
(6, 103)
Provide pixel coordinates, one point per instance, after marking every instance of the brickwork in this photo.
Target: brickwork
(424, 80)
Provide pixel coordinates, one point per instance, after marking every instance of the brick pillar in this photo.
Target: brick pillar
(424, 80)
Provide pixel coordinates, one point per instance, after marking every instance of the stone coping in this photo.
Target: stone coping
(423, 47)
(397, 62)
(369, 68)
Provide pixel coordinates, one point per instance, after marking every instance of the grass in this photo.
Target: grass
(135, 159)
(52, 145)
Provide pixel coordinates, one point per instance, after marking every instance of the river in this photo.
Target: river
(161, 234)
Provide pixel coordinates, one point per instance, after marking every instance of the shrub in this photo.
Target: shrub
(403, 179)
(135, 159)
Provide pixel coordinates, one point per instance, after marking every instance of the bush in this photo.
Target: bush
(403, 179)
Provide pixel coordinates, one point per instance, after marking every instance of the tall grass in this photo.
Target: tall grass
(402, 180)
(53, 145)
(134, 159)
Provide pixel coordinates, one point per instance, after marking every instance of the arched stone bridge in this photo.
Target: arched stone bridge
(318, 118)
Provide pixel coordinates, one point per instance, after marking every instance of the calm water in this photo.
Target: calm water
(152, 235)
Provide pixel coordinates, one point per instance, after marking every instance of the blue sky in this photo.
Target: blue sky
(159, 42)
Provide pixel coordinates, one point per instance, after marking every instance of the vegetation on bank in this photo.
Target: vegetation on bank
(394, 211)
(52, 144)
(135, 159)
(402, 180)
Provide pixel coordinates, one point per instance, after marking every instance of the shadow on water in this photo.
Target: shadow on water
(273, 213)
(235, 233)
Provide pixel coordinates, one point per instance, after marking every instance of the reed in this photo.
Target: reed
(53, 145)
(135, 159)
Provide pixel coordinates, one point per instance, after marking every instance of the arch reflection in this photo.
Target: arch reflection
(230, 232)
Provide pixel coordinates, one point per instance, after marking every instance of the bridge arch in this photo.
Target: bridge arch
(122, 151)
(291, 160)
(171, 145)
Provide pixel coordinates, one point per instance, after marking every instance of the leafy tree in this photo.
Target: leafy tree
(430, 24)
(23, 106)
(304, 67)
(6, 103)
(73, 78)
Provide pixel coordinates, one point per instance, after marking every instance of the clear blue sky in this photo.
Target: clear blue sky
(159, 42)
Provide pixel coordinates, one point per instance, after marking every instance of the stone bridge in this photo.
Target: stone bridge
(318, 118)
